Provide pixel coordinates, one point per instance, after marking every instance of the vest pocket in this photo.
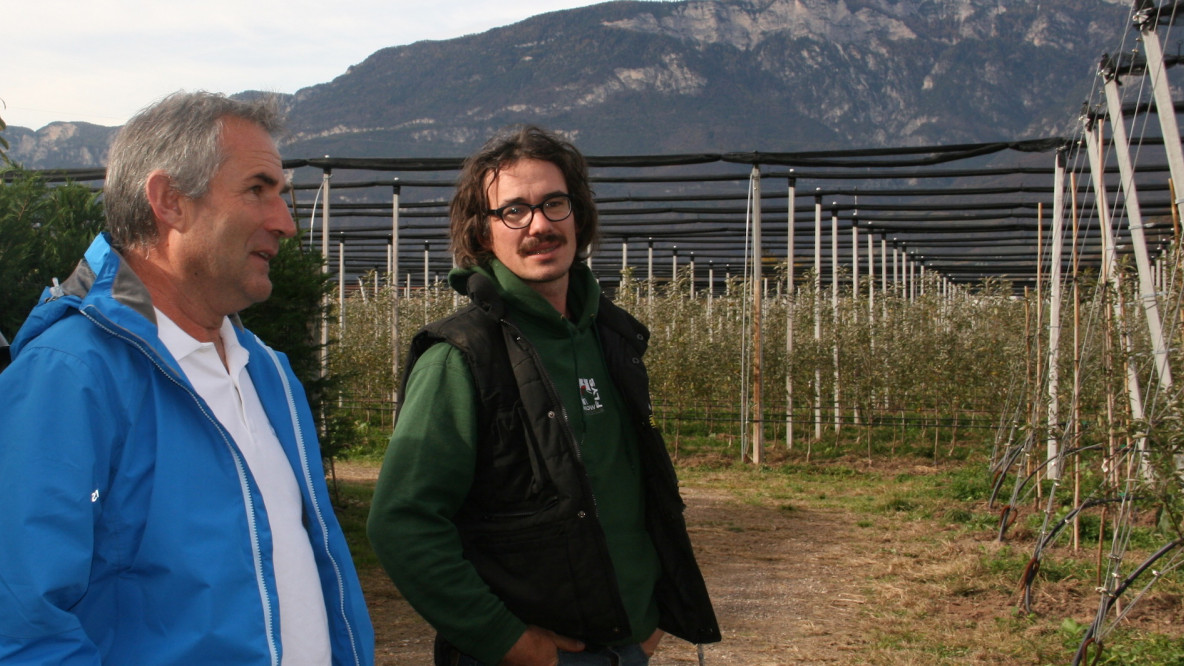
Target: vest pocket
(531, 570)
(515, 452)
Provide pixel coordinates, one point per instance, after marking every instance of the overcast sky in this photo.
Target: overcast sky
(100, 61)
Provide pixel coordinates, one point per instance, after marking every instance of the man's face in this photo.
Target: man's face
(542, 252)
(237, 225)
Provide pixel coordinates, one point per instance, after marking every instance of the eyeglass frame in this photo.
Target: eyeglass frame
(498, 212)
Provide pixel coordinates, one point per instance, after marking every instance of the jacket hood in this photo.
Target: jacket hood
(101, 280)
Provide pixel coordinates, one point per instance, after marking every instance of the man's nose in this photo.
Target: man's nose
(537, 218)
(281, 219)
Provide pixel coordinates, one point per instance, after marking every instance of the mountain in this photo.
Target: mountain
(704, 76)
(60, 145)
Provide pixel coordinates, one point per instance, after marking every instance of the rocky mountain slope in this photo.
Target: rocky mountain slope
(703, 75)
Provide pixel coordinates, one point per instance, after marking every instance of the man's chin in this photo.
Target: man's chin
(544, 277)
(259, 293)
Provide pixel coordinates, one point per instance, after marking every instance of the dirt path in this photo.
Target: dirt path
(780, 581)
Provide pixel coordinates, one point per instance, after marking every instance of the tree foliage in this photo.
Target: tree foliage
(3, 143)
(289, 321)
(44, 230)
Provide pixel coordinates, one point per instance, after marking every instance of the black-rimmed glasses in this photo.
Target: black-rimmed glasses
(555, 208)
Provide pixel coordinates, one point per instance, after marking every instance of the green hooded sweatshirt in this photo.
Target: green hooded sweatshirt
(428, 470)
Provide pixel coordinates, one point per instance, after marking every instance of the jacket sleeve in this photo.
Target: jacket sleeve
(56, 431)
(426, 474)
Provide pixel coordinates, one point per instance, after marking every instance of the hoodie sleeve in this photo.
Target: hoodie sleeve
(56, 428)
(426, 474)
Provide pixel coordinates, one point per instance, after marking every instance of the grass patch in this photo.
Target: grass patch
(897, 505)
(351, 503)
(1126, 646)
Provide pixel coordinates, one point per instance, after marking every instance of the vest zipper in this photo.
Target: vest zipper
(553, 393)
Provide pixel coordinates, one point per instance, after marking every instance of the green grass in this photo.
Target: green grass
(351, 502)
(1127, 647)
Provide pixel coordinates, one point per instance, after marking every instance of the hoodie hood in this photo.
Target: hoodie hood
(583, 292)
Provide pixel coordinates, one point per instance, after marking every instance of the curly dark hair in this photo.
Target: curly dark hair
(470, 205)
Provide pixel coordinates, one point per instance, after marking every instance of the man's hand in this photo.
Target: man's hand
(650, 645)
(539, 647)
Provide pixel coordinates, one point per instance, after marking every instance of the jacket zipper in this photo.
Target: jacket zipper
(240, 466)
(316, 507)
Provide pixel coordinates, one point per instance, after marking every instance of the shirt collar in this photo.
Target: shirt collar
(180, 344)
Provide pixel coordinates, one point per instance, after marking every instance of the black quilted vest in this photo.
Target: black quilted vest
(529, 522)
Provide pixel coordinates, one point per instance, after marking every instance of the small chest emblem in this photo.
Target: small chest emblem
(590, 396)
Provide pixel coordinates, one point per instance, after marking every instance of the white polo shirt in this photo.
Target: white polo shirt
(304, 629)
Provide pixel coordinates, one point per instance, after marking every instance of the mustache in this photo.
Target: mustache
(531, 243)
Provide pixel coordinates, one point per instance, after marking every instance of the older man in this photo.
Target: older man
(161, 483)
(527, 507)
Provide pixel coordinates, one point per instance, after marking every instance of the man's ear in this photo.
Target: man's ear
(484, 237)
(166, 201)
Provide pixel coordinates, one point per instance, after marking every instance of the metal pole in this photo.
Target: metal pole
(758, 430)
(624, 258)
(650, 275)
(393, 281)
(912, 264)
(817, 314)
(896, 269)
(673, 266)
(1053, 469)
(834, 311)
(871, 278)
(327, 303)
(426, 274)
(883, 265)
(710, 290)
(341, 285)
(1138, 240)
(1145, 20)
(1111, 276)
(789, 312)
(854, 260)
(396, 190)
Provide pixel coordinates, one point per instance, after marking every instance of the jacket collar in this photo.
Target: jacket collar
(104, 283)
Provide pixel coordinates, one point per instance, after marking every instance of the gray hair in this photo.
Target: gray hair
(179, 135)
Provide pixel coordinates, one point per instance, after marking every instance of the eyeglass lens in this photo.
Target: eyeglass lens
(516, 216)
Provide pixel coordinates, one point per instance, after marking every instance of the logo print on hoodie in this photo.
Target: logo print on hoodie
(590, 396)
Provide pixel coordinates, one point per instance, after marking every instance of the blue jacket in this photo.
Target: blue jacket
(131, 530)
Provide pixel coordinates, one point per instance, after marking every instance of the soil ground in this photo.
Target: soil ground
(803, 580)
